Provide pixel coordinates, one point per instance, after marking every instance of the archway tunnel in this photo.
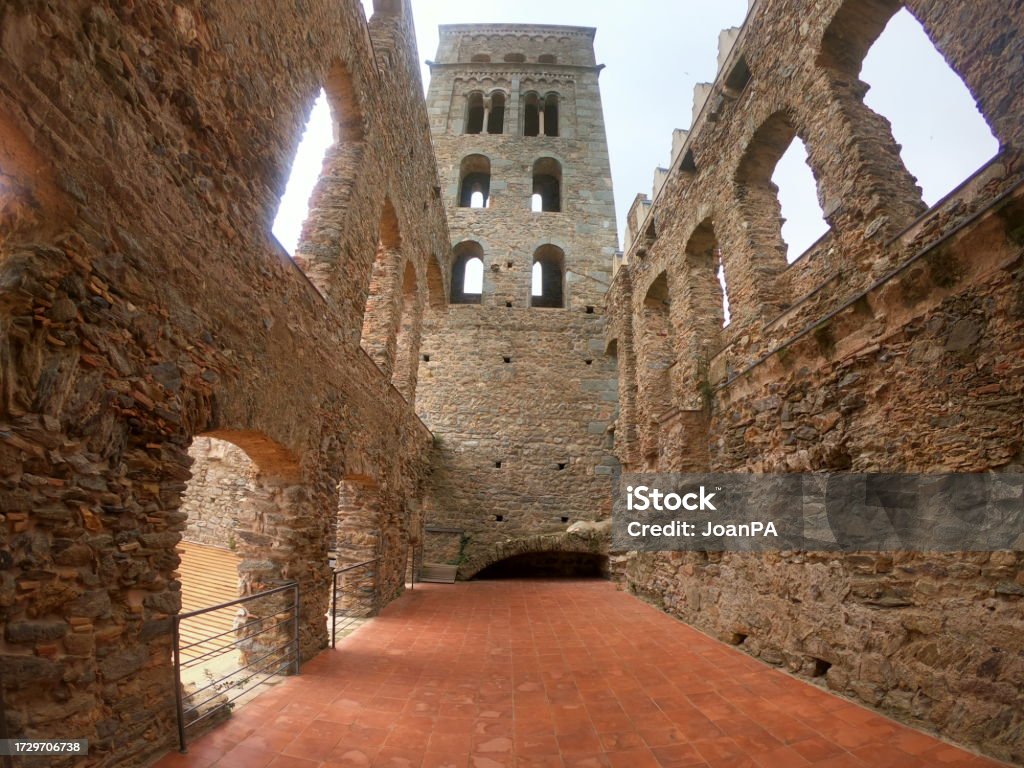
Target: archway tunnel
(547, 565)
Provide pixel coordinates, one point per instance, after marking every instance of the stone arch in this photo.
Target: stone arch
(383, 296)
(584, 543)
(462, 254)
(547, 185)
(437, 293)
(474, 179)
(549, 266)
(274, 510)
(331, 200)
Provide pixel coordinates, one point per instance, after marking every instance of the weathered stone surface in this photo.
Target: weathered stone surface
(893, 345)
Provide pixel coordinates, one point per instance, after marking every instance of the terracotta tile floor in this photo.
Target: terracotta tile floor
(549, 674)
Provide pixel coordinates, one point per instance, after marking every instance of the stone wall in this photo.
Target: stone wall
(893, 345)
(519, 397)
(222, 485)
(143, 303)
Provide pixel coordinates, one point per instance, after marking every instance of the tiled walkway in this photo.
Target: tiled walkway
(553, 674)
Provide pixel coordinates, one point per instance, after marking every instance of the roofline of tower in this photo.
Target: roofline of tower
(518, 29)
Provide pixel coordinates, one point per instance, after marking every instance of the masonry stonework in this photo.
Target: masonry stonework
(520, 397)
(166, 369)
(893, 345)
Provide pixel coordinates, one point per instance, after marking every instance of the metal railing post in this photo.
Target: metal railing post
(334, 610)
(298, 654)
(178, 701)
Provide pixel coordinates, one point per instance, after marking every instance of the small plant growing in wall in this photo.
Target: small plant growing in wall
(232, 543)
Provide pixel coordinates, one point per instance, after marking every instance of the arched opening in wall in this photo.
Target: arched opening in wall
(759, 196)
(475, 182)
(531, 114)
(408, 342)
(547, 58)
(467, 273)
(548, 278)
(803, 221)
(547, 185)
(327, 163)
(306, 170)
(704, 292)
(551, 116)
(547, 565)
(934, 117)
(480, 58)
(238, 482)
(475, 113)
(496, 118)
(514, 58)
(380, 318)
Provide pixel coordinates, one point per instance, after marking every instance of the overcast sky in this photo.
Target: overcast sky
(656, 50)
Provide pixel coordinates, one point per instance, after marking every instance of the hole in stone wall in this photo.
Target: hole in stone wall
(508, 304)
(497, 465)
(496, 114)
(499, 518)
(934, 117)
(688, 165)
(590, 310)
(821, 668)
(588, 362)
(548, 277)
(475, 113)
(426, 358)
(507, 359)
(803, 220)
(467, 273)
(738, 77)
(562, 465)
(565, 519)
(475, 182)
(547, 184)
(307, 167)
(738, 638)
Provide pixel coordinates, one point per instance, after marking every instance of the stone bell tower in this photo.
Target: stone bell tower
(514, 379)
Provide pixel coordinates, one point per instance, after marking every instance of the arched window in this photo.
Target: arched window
(475, 182)
(496, 119)
(934, 117)
(481, 58)
(531, 115)
(475, 113)
(803, 221)
(656, 352)
(706, 302)
(548, 277)
(467, 273)
(547, 58)
(547, 184)
(514, 58)
(550, 122)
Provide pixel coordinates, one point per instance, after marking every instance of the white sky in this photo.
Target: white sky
(656, 50)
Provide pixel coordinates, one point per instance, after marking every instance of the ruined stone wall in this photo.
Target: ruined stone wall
(520, 398)
(222, 487)
(892, 345)
(142, 303)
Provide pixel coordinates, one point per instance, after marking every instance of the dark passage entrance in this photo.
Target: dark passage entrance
(548, 565)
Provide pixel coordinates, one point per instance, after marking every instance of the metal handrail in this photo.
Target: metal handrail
(334, 594)
(274, 665)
